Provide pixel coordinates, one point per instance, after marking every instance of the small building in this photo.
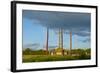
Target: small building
(58, 51)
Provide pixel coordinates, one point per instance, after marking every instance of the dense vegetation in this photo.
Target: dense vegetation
(30, 55)
(33, 52)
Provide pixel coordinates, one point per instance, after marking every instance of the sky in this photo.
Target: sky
(35, 24)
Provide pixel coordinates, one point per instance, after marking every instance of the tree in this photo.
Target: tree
(27, 51)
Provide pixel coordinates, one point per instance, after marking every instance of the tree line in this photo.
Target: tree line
(29, 51)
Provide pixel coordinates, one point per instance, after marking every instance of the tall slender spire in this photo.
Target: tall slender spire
(61, 40)
(70, 42)
(76, 42)
(47, 37)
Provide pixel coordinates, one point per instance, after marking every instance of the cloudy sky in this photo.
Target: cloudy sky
(35, 24)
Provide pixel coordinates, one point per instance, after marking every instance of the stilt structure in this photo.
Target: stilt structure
(47, 37)
(70, 42)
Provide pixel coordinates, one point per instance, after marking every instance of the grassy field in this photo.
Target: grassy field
(46, 58)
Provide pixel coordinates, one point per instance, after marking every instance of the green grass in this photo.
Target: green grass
(46, 58)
